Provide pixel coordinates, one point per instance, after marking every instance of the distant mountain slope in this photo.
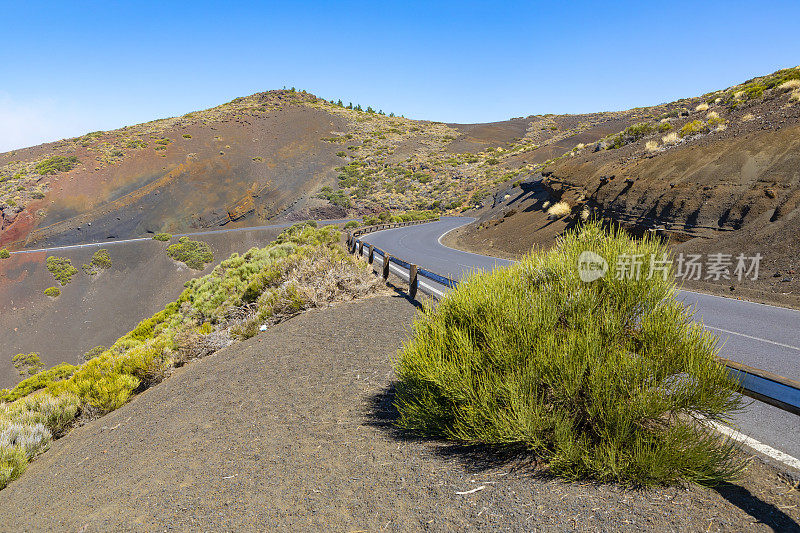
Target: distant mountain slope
(698, 168)
(715, 174)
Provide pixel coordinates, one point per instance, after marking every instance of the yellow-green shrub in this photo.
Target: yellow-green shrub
(37, 381)
(693, 128)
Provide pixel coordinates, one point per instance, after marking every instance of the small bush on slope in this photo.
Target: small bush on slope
(52, 292)
(194, 254)
(101, 260)
(303, 268)
(608, 380)
(61, 268)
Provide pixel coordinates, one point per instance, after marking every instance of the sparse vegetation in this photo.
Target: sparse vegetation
(630, 134)
(609, 380)
(101, 260)
(303, 268)
(52, 292)
(194, 254)
(4, 253)
(163, 237)
(337, 197)
(714, 119)
(651, 146)
(61, 268)
(701, 107)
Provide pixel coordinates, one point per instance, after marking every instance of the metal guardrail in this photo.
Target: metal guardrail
(761, 385)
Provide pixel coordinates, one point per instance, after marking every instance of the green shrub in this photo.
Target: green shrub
(37, 381)
(195, 254)
(27, 363)
(101, 260)
(351, 224)
(52, 292)
(163, 237)
(13, 463)
(94, 352)
(187, 136)
(61, 268)
(4, 253)
(630, 134)
(609, 380)
(338, 197)
(56, 164)
(693, 128)
(135, 143)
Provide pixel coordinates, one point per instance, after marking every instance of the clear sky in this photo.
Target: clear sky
(67, 68)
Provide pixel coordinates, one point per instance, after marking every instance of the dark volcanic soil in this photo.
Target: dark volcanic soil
(291, 430)
(95, 310)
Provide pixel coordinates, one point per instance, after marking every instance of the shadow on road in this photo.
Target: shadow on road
(766, 513)
(475, 458)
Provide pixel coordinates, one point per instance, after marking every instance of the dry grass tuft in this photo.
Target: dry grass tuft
(747, 117)
(651, 146)
(670, 138)
(701, 107)
(559, 209)
(789, 85)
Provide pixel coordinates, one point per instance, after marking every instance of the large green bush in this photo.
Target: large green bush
(609, 380)
(56, 164)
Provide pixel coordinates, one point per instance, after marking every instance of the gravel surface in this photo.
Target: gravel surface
(291, 430)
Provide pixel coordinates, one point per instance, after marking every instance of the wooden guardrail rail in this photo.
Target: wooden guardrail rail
(772, 389)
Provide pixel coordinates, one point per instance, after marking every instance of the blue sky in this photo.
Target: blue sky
(71, 67)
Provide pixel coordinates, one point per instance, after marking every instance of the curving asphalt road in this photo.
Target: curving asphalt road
(758, 335)
(108, 242)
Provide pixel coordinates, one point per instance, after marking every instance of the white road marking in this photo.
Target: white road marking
(758, 446)
(754, 338)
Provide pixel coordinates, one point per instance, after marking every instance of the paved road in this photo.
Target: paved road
(758, 335)
(207, 232)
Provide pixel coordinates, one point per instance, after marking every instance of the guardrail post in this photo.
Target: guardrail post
(360, 248)
(386, 258)
(371, 254)
(413, 281)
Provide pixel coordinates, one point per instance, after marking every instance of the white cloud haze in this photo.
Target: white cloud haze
(30, 122)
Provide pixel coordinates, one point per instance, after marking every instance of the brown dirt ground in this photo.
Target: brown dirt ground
(291, 430)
